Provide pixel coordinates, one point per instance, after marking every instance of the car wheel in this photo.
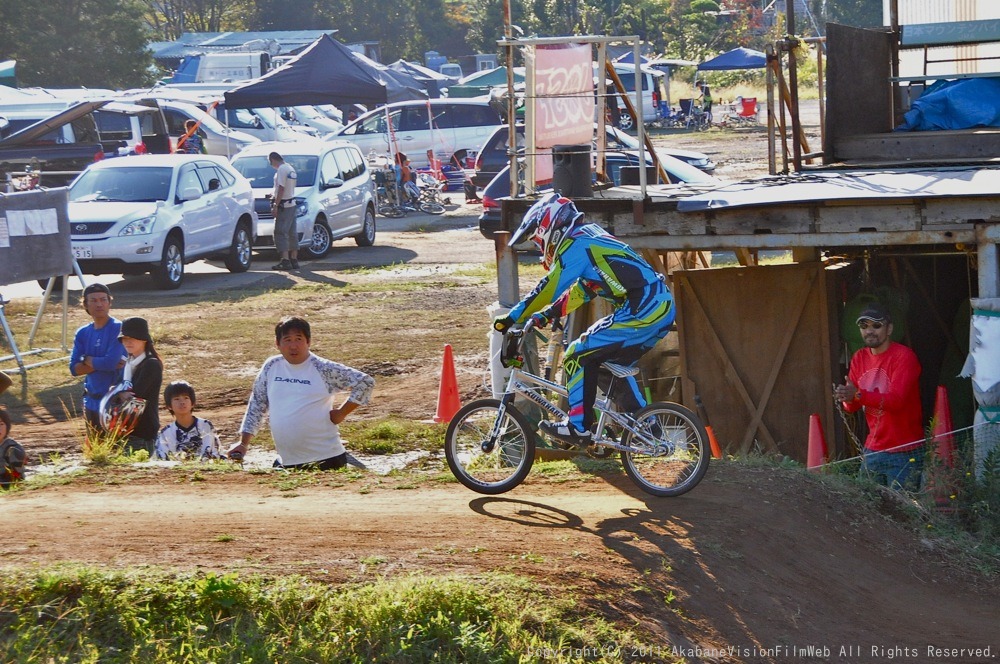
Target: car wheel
(241, 250)
(320, 245)
(626, 122)
(169, 273)
(366, 237)
(56, 287)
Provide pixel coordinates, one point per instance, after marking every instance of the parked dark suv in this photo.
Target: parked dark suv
(492, 156)
(499, 187)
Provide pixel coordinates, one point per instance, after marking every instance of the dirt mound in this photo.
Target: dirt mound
(753, 565)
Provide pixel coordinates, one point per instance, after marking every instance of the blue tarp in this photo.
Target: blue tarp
(961, 104)
(738, 58)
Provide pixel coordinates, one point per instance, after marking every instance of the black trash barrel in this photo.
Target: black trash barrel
(571, 171)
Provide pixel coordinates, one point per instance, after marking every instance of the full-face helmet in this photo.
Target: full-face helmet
(547, 222)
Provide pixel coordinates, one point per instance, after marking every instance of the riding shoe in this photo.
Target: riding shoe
(565, 432)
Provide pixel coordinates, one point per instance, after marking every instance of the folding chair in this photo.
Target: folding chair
(747, 111)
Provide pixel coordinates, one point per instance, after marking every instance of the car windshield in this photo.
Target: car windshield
(132, 184)
(258, 170)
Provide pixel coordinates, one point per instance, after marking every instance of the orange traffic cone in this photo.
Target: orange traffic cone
(817, 455)
(716, 450)
(448, 401)
(942, 429)
(941, 478)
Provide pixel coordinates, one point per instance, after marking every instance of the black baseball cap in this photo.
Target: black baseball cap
(875, 312)
(96, 288)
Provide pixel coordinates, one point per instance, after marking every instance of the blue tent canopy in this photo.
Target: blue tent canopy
(738, 58)
(629, 58)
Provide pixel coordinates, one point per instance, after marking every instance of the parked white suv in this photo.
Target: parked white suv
(334, 196)
(154, 213)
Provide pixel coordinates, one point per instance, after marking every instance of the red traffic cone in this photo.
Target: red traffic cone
(943, 428)
(448, 401)
(716, 450)
(817, 455)
(941, 480)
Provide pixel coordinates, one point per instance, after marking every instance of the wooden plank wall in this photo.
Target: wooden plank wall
(859, 95)
(759, 345)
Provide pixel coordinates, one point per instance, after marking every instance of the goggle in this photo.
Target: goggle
(873, 324)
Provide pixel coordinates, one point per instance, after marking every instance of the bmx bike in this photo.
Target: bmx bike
(490, 444)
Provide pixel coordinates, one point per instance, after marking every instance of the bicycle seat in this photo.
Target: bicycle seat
(620, 370)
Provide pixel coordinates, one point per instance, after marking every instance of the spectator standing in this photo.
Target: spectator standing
(296, 390)
(97, 352)
(286, 238)
(883, 379)
(190, 143)
(142, 376)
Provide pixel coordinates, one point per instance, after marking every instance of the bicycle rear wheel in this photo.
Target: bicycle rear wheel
(485, 465)
(680, 457)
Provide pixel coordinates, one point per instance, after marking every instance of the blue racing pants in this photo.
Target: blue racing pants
(623, 337)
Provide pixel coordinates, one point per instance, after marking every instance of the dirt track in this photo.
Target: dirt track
(752, 559)
(760, 561)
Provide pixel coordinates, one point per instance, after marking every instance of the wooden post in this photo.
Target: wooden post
(508, 290)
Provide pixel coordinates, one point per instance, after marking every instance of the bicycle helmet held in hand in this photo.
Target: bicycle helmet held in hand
(547, 222)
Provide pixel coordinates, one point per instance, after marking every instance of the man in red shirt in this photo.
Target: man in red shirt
(884, 380)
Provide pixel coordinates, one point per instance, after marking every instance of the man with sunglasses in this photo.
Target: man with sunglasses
(884, 380)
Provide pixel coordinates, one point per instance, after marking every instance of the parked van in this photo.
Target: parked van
(265, 124)
(216, 138)
(446, 126)
(133, 128)
(653, 90)
(227, 66)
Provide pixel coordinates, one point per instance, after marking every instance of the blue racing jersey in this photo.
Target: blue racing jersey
(589, 263)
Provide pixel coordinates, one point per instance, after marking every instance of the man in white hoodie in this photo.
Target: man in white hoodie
(296, 389)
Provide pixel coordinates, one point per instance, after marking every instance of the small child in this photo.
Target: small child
(188, 436)
(12, 455)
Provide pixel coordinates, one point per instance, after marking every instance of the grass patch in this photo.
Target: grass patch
(392, 435)
(83, 615)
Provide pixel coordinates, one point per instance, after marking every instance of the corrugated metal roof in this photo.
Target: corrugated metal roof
(288, 40)
(818, 187)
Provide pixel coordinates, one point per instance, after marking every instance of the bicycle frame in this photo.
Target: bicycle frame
(531, 386)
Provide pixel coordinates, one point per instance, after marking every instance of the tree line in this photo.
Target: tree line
(103, 43)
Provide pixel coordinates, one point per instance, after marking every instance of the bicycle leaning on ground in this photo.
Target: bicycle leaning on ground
(490, 444)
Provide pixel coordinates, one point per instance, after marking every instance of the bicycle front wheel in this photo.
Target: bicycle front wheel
(431, 207)
(678, 460)
(481, 462)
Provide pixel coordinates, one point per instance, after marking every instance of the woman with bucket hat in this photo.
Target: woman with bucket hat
(142, 376)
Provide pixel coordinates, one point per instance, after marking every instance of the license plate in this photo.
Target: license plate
(82, 251)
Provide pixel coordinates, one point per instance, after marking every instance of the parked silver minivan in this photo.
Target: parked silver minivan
(446, 126)
(216, 138)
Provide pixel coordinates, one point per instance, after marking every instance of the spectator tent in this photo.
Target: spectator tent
(327, 72)
(738, 58)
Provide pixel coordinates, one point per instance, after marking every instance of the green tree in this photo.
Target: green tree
(69, 43)
(858, 13)
(170, 18)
